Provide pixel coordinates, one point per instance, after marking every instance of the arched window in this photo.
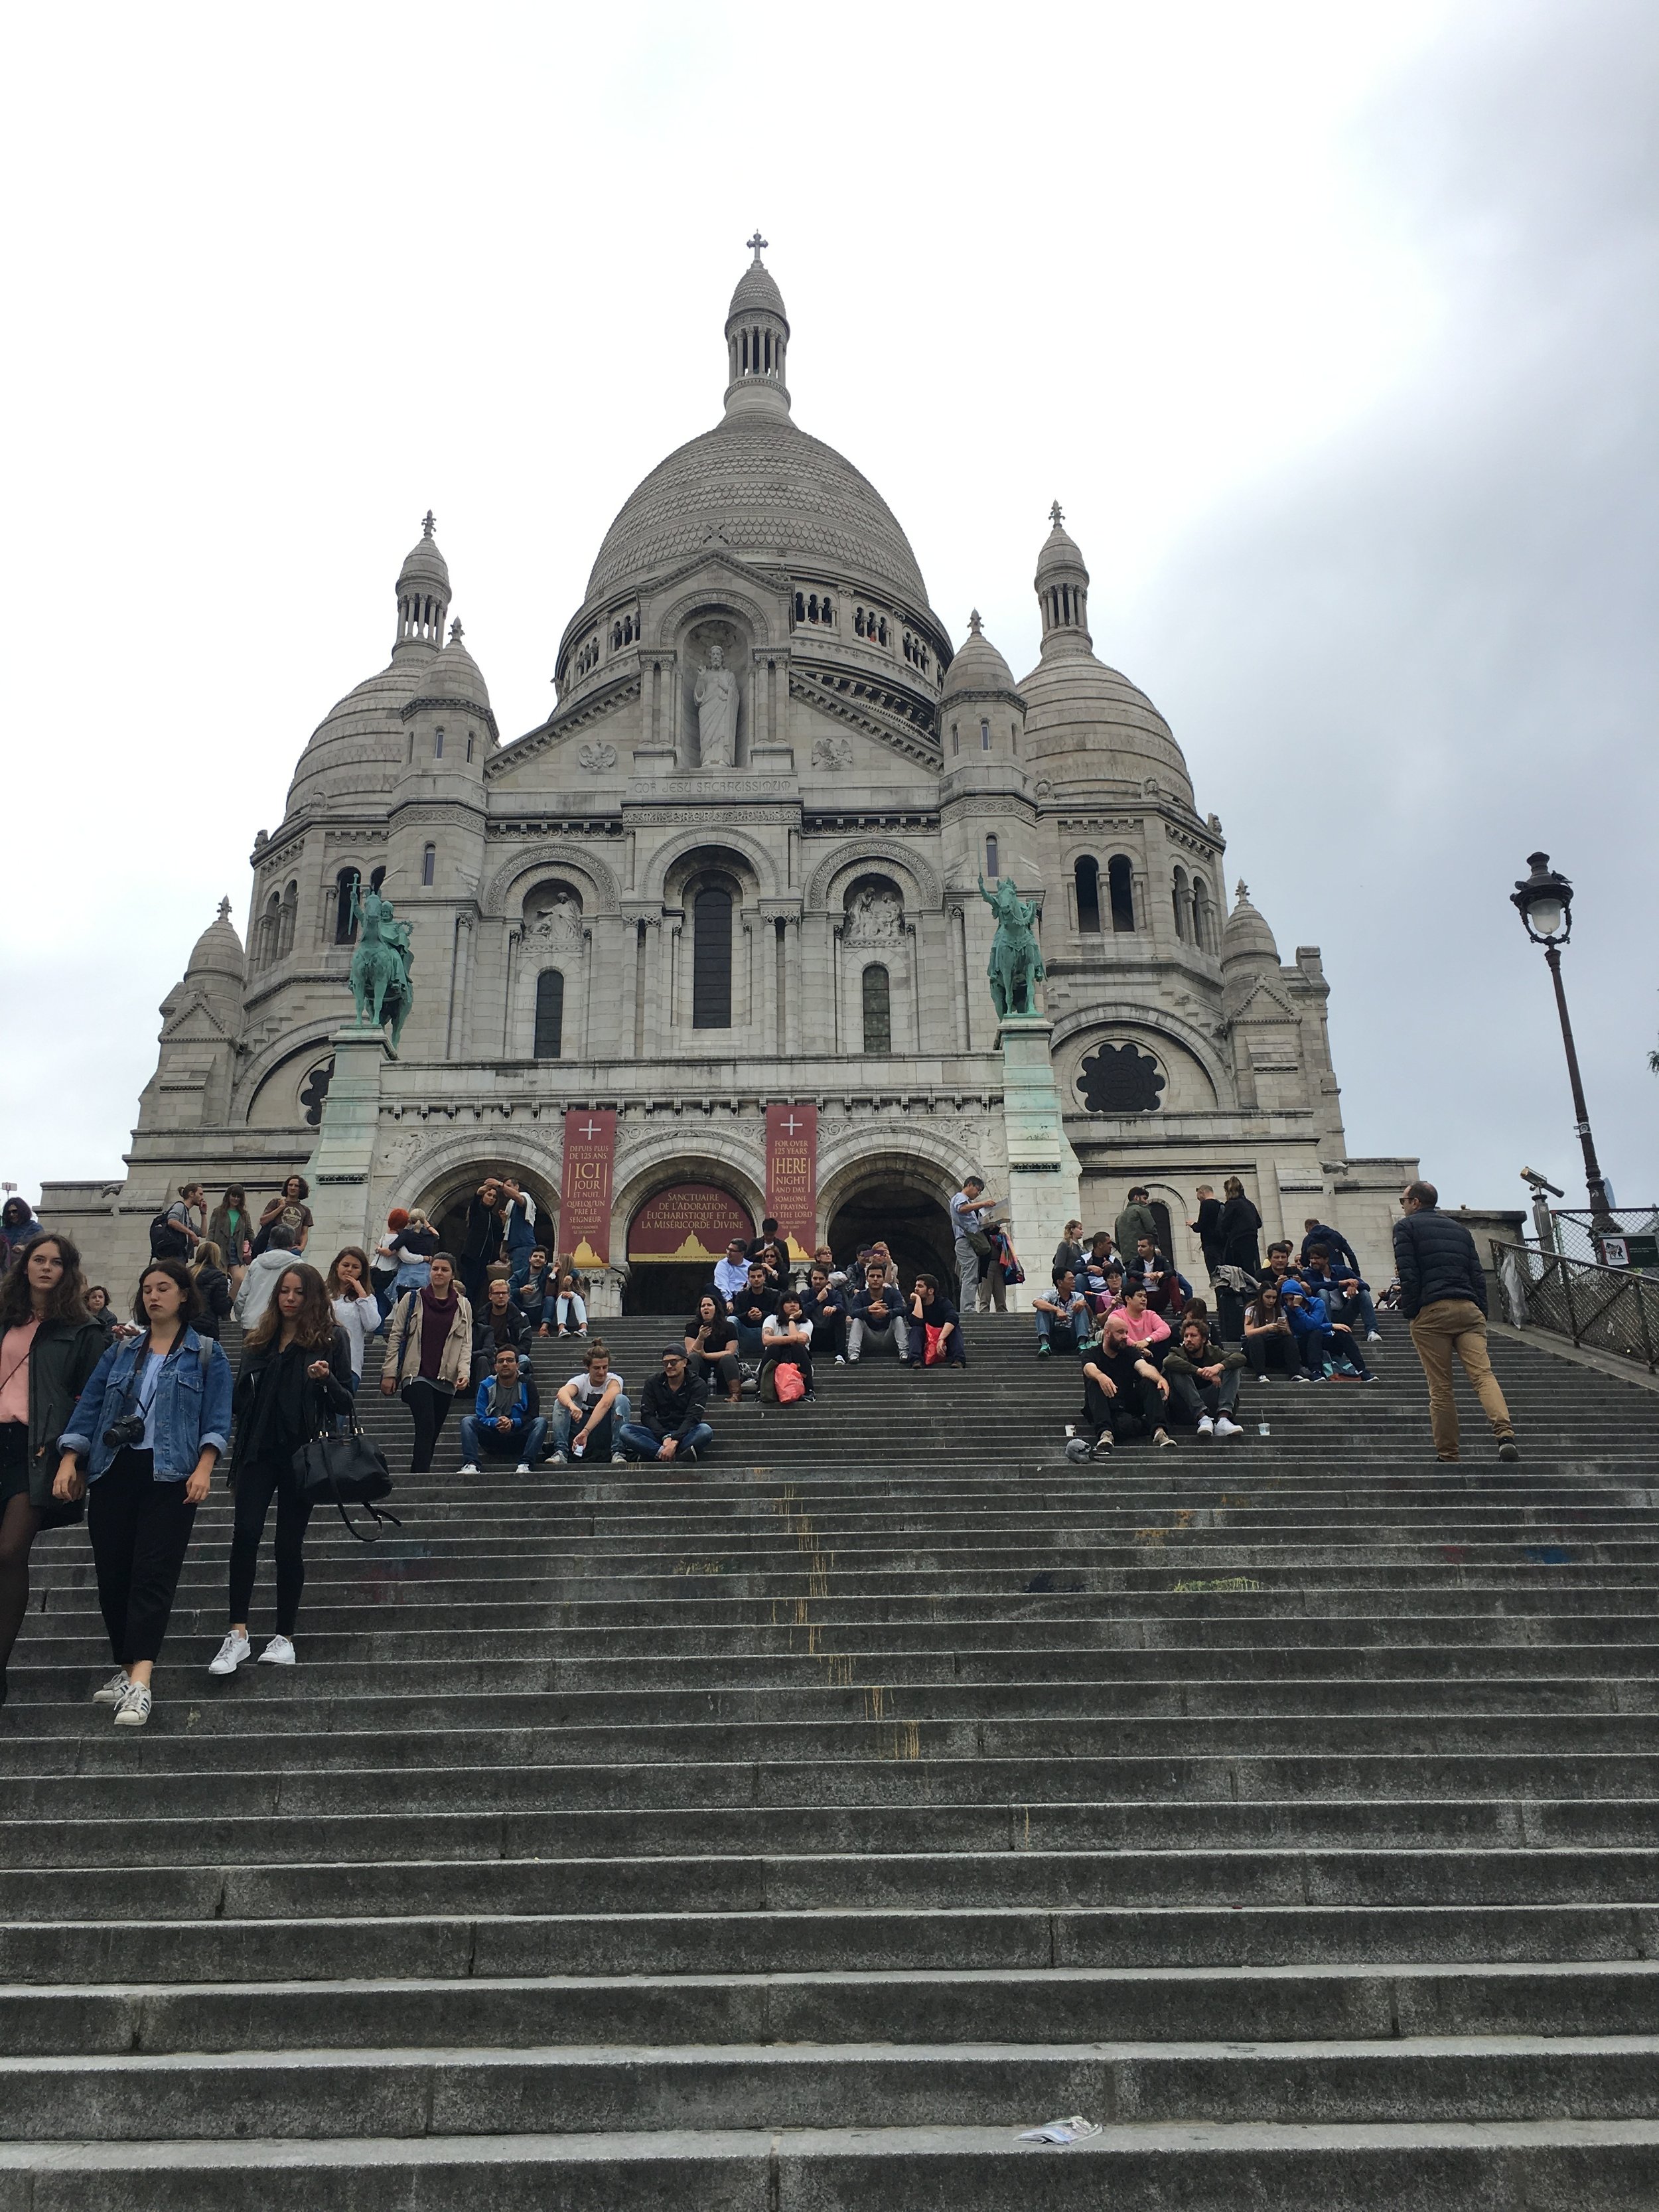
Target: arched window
(288, 916)
(345, 926)
(711, 958)
(550, 1013)
(1120, 888)
(985, 737)
(878, 1009)
(1203, 916)
(270, 923)
(1180, 901)
(429, 865)
(438, 745)
(1088, 895)
(800, 606)
(991, 856)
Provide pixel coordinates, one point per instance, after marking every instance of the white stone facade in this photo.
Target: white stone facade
(871, 763)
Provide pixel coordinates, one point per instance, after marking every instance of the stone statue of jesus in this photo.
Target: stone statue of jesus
(716, 696)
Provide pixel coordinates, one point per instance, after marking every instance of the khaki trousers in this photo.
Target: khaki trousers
(1457, 1325)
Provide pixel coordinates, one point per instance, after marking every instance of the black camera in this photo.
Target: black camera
(129, 1429)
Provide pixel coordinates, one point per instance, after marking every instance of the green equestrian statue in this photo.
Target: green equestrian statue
(1016, 961)
(379, 967)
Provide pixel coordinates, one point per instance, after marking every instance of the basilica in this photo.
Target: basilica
(712, 940)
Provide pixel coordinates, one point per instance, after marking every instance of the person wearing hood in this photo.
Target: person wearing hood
(18, 1227)
(260, 1280)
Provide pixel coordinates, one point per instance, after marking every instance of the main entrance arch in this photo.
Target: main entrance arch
(893, 1206)
(674, 1238)
(446, 1204)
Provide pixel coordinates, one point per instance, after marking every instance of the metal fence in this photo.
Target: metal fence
(1576, 1236)
(1608, 1309)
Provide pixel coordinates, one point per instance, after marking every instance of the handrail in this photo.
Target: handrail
(1616, 1308)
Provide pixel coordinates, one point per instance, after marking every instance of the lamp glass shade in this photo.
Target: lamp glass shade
(1546, 913)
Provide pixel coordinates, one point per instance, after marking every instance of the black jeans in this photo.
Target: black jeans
(1268, 1352)
(429, 1404)
(720, 1370)
(140, 1530)
(256, 1484)
(1137, 1416)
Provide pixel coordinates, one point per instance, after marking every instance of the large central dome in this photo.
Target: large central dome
(756, 484)
(771, 494)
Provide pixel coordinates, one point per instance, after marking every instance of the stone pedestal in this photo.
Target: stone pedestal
(338, 1170)
(1044, 1176)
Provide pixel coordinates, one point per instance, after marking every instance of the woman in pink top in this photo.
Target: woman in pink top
(1146, 1329)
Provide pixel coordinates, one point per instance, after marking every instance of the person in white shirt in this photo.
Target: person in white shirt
(731, 1273)
(589, 1412)
(355, 1306)
(969, 1209)
(786, 1339)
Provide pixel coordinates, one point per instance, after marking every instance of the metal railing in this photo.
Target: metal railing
(1605, 1309)
(1576, 1234)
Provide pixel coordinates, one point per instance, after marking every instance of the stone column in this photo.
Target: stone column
(338, 1170)
(1044, 1175)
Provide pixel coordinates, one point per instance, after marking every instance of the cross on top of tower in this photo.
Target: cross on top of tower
(973, 622)
(429, 523)
(456, 633)
(1056, 514)
(757, 242)
(1241, 889)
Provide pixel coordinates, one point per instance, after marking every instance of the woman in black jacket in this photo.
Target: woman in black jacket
(49, 1347)
(1241, 1226)
(295, 1377)
(213, 1292)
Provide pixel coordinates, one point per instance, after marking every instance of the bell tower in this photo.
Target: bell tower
(756, 341)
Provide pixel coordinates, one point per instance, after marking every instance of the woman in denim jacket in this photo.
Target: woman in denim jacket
(145, 1434)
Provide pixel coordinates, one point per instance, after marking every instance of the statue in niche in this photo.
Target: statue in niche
(875, 917)
(716, 694)
(560, 924)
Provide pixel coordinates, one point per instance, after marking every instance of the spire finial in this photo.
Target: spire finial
(224, 909)
(973, 622)
(758, 243)
(1056, 514)
(429, 523)
(456, 632)
(1241, 889)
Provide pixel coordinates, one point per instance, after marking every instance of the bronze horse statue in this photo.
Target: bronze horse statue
(379, 967)
(1016, 963)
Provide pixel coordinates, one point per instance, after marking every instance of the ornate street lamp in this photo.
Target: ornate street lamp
(1544, 901)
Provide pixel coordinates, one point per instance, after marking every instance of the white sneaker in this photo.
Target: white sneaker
(112, 1691)
(559, 1459)
(471, 1467)
(230, 1654)
(1376, 1337)
(1206, 1426)
(1261, 1378)
(619, 1459)
(840, 1360)
(134, 1707)
(1161, 1436)
(523, 1468)
(1224, 1427)
(279, 1652)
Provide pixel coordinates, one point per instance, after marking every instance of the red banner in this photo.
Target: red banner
(792, 1175)
(590, 1164)
(691, 1221)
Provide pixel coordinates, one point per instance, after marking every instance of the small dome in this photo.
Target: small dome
(978, 667)
(757, 292)
(455, 674)
(424, 566)
(1247, 936)
(218, 951)
(1060, 550)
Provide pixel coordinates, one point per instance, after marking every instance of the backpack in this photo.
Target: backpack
(167, 1240)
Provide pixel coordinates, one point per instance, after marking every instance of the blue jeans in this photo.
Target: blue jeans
(1068, 1335)
(638, 1441)
(514, 1443)
(599, 1444)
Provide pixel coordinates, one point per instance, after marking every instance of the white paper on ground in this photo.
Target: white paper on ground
(1076, 2129)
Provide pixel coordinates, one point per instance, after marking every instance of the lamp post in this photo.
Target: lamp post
(1544, 902)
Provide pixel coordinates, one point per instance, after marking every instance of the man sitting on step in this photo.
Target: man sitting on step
(751, 1309)
(670, 1426)
(1062, 1317)
(878, 1321)
(1347, 1297)
(506, 1421)
(1123, 1394)
(1204, 1381)
(589, 1413)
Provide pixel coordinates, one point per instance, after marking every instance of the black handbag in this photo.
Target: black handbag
(350, 1471)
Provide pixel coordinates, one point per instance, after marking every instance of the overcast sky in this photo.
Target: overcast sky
(1333, 328)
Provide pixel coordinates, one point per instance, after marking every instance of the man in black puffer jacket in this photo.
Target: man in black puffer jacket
(1442, 1294)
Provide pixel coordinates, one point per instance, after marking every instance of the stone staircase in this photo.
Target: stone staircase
(792, 1832)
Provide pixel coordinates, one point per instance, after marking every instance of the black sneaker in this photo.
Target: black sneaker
(1508, 1450)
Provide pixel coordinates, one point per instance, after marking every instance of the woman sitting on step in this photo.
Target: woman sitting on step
(296, 1376)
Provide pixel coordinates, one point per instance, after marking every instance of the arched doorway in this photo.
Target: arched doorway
(910, 1219)
(674, 1238)
(447, 1207)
